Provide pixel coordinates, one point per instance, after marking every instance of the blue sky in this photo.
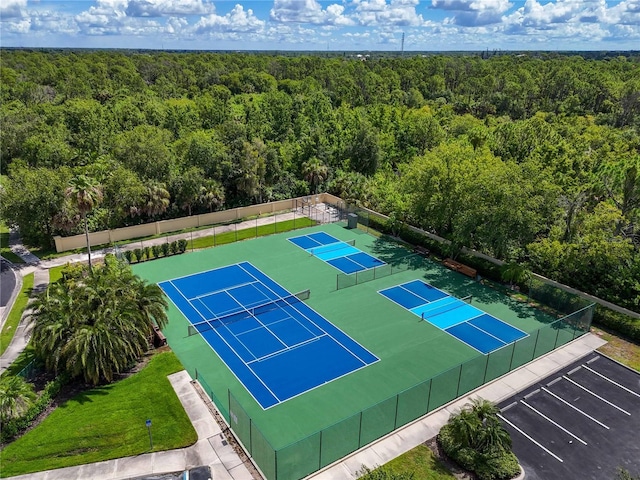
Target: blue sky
(323, 25)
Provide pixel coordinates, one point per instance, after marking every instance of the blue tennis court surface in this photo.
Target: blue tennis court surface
(467, 323)
(341, 255)
(273, 342)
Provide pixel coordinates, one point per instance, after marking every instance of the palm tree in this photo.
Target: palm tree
(84, 194)
(315, 172)
(95, 326)
(16, 397)
(156, 200)
(212, 195)
(477, 426)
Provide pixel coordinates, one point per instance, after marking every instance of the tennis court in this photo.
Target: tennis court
(457, 317)
(342, 255)
(421, 367)
(274, 343)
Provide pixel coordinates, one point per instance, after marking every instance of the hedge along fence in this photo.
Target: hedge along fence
(153, 252)
(608, 314)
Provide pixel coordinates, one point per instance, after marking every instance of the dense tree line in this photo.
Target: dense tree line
(529, 158)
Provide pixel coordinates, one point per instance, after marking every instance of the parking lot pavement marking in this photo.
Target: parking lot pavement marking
(553, 422)
(596, 395)
(575, 408)
(609, 380)
(529, 438)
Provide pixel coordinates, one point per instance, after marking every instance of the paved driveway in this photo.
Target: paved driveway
(580, 423)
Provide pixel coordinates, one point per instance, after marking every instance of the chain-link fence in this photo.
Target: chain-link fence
(324, 447)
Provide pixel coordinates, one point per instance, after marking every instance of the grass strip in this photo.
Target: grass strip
(10, 326)
(246, 233)
(107, 422)
(419, 461)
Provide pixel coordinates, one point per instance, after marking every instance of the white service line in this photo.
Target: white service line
(554, 423)
(529, 438)
(596, 395)
(575, 408)
(611, 381)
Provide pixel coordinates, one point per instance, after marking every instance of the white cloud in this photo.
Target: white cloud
(158, 8)
(394, 13)
(470, 13)
(12, 9)
(237, 20)
(308, 11)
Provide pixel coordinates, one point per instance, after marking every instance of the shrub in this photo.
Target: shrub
(173, 246)
(182, 245)
(165, 249)
(147, 252)
(14, 427)
(157, 250)
(477, 441)
(137, 252)
(625, 325)
(128, 254)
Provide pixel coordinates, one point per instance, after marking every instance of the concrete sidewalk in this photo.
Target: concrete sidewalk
(211, 449)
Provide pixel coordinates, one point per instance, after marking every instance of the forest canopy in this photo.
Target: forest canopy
(530, 158)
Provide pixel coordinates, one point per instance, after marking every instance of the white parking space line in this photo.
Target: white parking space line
(575, 408)
(553, 422)
(611, 381)
(529, 438)
(596, 395)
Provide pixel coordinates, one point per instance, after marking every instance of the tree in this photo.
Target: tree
(475, 438)
(85, 194)
(315, 172)
(95, 326)
(16, 397)
(31, 197)
(156, 200)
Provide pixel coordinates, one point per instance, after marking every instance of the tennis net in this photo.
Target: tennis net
(247, 313)
(447, 307)
(331, 247)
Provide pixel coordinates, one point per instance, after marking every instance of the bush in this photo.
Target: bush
(623, 324)
(157, 251)
(495, 466)
(182, 245)
(137, 252)
(147, 252)
(165, 249)
(14, 427)
(173, 246)
(128, 254)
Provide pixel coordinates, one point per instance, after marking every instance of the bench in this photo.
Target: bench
(421, 250)
(461, 268)
(159, 338)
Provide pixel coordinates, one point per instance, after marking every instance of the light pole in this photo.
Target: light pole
(148, 423)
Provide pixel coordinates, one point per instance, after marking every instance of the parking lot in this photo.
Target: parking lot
(580, 423)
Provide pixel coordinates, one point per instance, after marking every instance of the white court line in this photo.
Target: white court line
(317, 326)
(273, 354)
(575, 408)
(529, 438)
(611, 381)
(596, 395)
(552, 422)
(213, 292)
(233, 372)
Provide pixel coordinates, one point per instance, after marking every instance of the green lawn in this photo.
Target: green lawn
(421, 462)
(9, 328)
(105, 423)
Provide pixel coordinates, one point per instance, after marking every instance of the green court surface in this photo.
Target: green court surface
(410, 351)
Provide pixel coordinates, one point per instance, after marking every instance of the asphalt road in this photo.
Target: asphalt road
(7, 282)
